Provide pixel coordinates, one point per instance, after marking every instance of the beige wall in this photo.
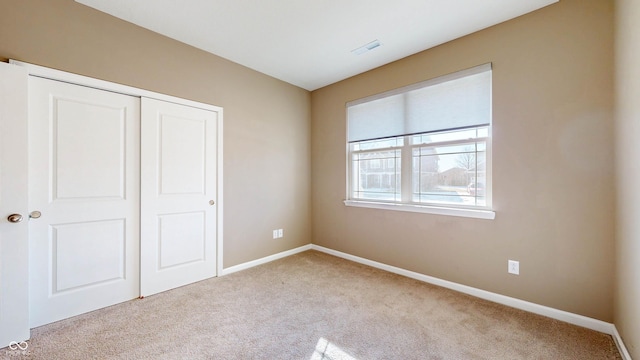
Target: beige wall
(627, 304)
(553, 140)
(266, 134)
(552, 165)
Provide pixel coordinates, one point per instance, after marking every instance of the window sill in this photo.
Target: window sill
(469, 213)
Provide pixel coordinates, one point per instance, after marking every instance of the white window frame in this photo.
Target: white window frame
(406, 187)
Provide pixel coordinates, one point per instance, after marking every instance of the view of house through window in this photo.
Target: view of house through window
(445, 164)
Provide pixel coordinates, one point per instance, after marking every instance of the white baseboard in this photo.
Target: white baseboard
(571, 318)
(620, 344)
(264, 260)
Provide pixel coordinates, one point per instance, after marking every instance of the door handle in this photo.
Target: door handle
(35, 214)
(14, 218)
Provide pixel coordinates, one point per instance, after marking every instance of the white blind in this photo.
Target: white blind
(454, 101)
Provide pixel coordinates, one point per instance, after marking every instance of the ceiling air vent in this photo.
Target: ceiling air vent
(368, 47)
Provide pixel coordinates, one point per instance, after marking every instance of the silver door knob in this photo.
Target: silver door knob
(14, 218)
(35, 214)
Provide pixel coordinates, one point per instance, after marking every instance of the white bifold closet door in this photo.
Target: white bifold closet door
(84, 178)
(178, 195)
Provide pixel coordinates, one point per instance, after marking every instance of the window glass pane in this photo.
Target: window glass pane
(378, 144)
(464, 148)
(457, 135)
(449, 175)
(477, 185)
(376, 175)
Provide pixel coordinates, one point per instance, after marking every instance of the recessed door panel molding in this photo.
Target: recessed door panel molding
(84, 173)
(102, 244)
(181, 239)
(179, 202)
(89, 149)
(183, 155)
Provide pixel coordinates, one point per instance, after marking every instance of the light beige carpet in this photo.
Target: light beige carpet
(313, 306)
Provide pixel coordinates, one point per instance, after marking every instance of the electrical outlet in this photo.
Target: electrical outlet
(280, 233)
(275, 234)
(514, 267)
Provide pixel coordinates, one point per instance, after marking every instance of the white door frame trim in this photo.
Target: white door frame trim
(48, 73)
(14, 245)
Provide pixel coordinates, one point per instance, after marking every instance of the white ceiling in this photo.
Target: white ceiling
(309, 43)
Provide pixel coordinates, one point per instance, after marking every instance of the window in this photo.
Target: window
(425, 147)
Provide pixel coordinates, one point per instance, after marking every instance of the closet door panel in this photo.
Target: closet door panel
(178, 198)
(84, 177)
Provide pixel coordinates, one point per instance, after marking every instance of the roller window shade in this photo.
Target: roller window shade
(455, 101)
